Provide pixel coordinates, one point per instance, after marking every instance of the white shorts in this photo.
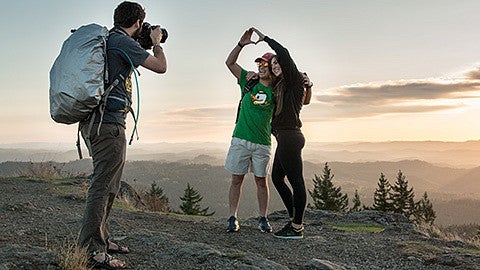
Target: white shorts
(243, 154)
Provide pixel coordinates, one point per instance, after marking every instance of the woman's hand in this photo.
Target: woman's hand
(252, 75)
(306, 81)
(260, 35)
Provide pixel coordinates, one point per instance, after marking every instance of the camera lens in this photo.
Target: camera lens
(164, 35)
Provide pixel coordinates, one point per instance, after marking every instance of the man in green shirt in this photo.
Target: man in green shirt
(250, 146)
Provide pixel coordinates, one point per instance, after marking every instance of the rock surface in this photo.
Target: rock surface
(38, 218)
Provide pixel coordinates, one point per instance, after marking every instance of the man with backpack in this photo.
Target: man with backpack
(106, 135)
(250, 145)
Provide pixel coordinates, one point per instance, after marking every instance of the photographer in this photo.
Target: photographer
(108, 143)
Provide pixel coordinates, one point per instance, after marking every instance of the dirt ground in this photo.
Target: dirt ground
(38, 218)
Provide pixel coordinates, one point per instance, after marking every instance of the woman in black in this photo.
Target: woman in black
(286, 124)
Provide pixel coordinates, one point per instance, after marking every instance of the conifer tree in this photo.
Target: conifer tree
(424, 211)
(325, 195)
(156, 200)
(356, 202)
(402, 196)
(381, 198)
(191, 203)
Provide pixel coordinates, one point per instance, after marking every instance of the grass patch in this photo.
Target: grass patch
(472, 251)
(70, 257)
(123, 204)
(420, 250)
(358, 227)
(464, 235)
(235, 255)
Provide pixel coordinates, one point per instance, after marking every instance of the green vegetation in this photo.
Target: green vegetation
(235, 255)
(417, 249)
(358, 227)
(123, 204)
(402, 196)
(473, 251)
(70, 257)
(356, 202)
(191, 203)
(398, 198)
(382, 200)
(424, 211)
(156, 200)
(325, 195)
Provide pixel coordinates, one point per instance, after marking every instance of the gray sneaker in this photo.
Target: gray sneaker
(263, 225)
(232, 224)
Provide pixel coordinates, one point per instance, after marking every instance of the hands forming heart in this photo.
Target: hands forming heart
(251, 36)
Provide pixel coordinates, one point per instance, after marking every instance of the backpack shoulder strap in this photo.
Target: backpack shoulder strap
(246, 89)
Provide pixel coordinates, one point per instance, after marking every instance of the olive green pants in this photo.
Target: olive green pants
(108, 153)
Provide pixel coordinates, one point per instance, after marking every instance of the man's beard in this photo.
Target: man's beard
(136, 34)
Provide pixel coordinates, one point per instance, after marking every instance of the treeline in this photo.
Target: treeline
(396, 198)
(156, 200)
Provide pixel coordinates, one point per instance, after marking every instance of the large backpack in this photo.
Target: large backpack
(78, 78)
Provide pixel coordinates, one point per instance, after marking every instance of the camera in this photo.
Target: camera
(144, 36)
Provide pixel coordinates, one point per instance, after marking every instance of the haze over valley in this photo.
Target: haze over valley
(446, 170)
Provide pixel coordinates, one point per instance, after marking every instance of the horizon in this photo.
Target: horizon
(439, 153)
(139, 144)
(377, 77)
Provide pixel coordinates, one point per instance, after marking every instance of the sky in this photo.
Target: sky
(382, 70)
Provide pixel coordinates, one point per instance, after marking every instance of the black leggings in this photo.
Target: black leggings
(288, 162)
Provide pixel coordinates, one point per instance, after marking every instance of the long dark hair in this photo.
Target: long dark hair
(278, 87)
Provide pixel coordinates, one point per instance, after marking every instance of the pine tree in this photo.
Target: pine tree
(156, 200)
(424, 211)
(381, 198)
(356, 202)
(402, 197)
(191, 203)
(325, 195)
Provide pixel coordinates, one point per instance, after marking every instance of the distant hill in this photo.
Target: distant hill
(456, 154)
(420, 174)
(467, 183)
(443, 184)
(445, 154)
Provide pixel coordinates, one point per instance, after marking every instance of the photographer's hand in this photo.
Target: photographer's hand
(156, 62)
(156, 35)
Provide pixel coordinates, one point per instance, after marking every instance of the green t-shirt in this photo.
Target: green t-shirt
(255, 114)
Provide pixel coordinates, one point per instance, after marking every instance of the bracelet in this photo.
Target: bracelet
(157, 45)
(240, 45)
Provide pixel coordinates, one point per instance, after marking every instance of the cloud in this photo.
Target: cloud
(219, 115)
(403, 96)
(346, 102)
(474, 74)
(316, 112)
(394, 92)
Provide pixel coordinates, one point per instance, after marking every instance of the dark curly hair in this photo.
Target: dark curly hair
(127, 13)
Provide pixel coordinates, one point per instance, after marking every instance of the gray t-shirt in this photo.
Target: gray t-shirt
(119, 67)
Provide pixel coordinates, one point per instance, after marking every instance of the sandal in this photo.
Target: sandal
(106, 263)
(118, 250)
